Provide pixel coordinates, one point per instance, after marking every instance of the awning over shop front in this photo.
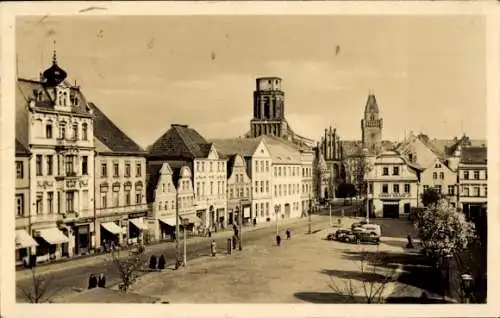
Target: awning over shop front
(139, 223)
(24, 240)
(53, 236)
(192, 219)
(112, 227)
(169, 221)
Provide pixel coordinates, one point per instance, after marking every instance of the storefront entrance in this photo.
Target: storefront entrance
(82, 239)
(391, 210)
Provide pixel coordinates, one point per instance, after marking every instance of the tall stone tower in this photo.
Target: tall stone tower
(268, 109)
(371, 126)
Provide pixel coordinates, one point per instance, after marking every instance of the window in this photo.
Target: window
(197, 166)
(197, 189)
(439, 189)
(50, 202)
(289, 189)
(85, 163)
(407, 188)
(385, 171)
(62, 130)
(104, 200)
(426, 187)
(256, 186)
(69, 166)
(385, 188)
(211, 166)
(127, 198)
(138, 170)
(395, 171)
(451, 190)
(262, 209)
(267, 208)
(127, 170)
(434, 175)
(116, 170)
(275, 190)
(48, 131)
(211, 187)
(39, 203)
(395, 188)
(230, 193)
(256, 166)
(84, 131)
(476, 175)
(279, 171)
(20, 204)
(279, 190)
(267, 166)
(275, 171)
(202, 167)
(441, 175)
(477, 191)
(262, 166)
(261, 186)
(19, 170)
(284, 171)
(75, 131)
(437, 165)
(485, 191)
(70, 202)
(39, 170)
(115, 198)
(104, 170)
(370, 187)
(466, 191)
(267, 186)
(466, 175)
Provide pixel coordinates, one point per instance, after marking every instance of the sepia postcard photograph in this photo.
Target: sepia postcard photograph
(252, 158)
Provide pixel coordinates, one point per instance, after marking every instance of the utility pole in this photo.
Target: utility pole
(185, 243)
(177, 245)
(276, 210)
(240, 247)
(330, 208)
(310, 210)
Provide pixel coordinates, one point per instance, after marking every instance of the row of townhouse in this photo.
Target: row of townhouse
(80, 181)
(398, 178)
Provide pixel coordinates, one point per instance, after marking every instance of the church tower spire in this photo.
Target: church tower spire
(371, 126)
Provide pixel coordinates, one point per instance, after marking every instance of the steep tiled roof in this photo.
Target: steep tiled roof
(281, 150)
(180, 141)
(464, 141)
(243, 146)
(474, 155)
(111, 136)
(21, 149)
(371, 104)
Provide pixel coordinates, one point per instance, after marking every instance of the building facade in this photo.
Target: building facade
(184, 146)
(25, 244)
(54, 119)
(392, 186)
(473, 181)
(239, 194)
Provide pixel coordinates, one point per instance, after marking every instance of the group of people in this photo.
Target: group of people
(154, 264)
(288, 237)
(97, 281)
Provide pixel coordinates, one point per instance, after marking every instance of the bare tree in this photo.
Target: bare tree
(41, 288)
(370, 284)
(129, 266)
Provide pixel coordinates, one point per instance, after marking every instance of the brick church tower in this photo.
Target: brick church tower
(371, 127)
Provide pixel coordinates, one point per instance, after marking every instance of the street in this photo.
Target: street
(77, 277)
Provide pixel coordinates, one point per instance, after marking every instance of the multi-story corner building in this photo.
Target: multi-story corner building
(473, 181)
(120, 184)
(184, 146)
(25, 244)
(307, 195)
(392, 186)
(288, 176)
(258, 163)
(54, 119)
(170, 194)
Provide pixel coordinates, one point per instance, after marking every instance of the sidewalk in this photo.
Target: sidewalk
(156, 247)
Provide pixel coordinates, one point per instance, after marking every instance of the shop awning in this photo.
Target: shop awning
(139, 223)
(53, 236)
(23, 239)
(169, 221)
(111, 227)
(192, 219)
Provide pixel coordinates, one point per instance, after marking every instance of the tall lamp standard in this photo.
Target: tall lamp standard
(240, 215)
(309, 216)
(177, 243)
(276, 211)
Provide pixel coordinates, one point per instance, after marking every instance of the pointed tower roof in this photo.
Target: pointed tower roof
(54, 74)
(371, 104)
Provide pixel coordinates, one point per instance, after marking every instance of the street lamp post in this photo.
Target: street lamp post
(310, 210)
(330, 211)
(184, 224)
(177, 243)
(240, 215)
(276, 211)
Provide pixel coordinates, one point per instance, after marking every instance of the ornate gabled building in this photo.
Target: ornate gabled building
(329, 165)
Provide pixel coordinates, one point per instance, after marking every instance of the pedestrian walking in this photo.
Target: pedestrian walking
(410, 241)
(101, 283)
(254, 222)
(209, 233)
(152, 262)
(161, 262)
(213, 248)
(235, 241)
(92, 281)
(278, 240)
(288, 234)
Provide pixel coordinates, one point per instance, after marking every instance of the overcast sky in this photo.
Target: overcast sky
(428, 73)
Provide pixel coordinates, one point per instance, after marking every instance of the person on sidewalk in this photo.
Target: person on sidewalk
(288, 234)
(102, 281)
(92, 281)
(161, 262)
(152, 262)
(278, 240)
(235, 241)
(213, 248)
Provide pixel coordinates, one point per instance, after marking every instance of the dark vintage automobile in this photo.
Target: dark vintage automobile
(349, 236)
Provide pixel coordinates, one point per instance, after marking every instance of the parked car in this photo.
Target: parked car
(367, 228)
(342, 235)
(368, 237)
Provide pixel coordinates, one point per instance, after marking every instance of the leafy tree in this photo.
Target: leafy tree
(128, 267)
(443, 230)
(41, 288)
(431, 196)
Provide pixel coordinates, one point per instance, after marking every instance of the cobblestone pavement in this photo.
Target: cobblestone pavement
(300, 270)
